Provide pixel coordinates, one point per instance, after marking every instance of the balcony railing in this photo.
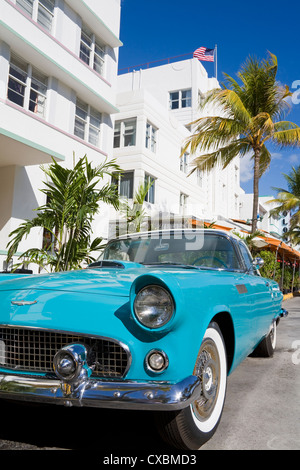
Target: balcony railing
(155, 63)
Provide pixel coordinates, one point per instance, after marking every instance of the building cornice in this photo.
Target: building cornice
(95, 22)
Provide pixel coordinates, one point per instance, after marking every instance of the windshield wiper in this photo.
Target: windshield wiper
(170, 263)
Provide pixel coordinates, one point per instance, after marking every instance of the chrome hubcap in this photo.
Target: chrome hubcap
(208, 369)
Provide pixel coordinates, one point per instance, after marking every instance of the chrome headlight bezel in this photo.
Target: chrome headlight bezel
(153, 306)
(162, 355)
(72, 363)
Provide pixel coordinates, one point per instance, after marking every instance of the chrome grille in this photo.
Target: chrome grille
(32, 350)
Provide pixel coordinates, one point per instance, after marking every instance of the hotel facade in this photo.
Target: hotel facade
(61, 97)
(58, 71)
(156, 107)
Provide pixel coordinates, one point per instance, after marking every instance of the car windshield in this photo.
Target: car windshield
(206, 250)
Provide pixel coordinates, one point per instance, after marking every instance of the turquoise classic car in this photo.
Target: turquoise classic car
(157, 323)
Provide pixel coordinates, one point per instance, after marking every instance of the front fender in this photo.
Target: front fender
(181, 338)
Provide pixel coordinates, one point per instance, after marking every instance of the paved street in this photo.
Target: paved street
(262, 411)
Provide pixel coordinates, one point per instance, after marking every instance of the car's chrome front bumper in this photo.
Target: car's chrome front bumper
(124, 395)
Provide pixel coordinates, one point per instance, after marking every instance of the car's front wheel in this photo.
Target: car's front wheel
(191, 427)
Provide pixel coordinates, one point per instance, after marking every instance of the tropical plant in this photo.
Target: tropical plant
(289, 200)
(72, 200)
(271, 268)
(135, 213)
(250, 239)
(293, 235)
(287, 278)
(250, 114)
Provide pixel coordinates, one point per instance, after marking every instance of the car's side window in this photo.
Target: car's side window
(247, 258)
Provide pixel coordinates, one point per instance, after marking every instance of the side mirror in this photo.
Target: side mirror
(258, 263)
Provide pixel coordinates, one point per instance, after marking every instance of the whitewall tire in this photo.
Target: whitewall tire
(191, 427)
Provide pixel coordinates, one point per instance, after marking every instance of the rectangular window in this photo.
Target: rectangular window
(124, 182)
(183, 202)
(23, 77)
(87, 122)
(199, 177)
(92, 51)
(38, 90)
(81, 114)
(236, 174)
(125, 133)
(17, 80)
(85, 45)
(26, 6)
(94, 126)
(151, 133)
(180, 99)
(41, 11)
(45, 13)
(150, 196)
(117, 135)
(236, 202)
(129, 133)
(174, 100)
(99, 56)
(186, 98)
(184, 162)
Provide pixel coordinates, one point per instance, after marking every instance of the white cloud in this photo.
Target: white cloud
(246, 164)
(246, 168)
(294, 158)
(276, 156)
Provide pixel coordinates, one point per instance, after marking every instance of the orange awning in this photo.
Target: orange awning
(282, 248)
(274, 244)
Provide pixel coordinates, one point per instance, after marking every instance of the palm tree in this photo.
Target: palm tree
(250, 114)
(250, 239)
(135, 213)
(73, 198)
(289, 199)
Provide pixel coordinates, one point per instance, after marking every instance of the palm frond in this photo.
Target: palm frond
(224, 155)
(229, 104)
(73, 198)
(210, 132)
(287, 137)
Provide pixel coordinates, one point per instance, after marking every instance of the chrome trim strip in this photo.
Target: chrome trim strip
(76, 333)
(21, 303)
(122, 395)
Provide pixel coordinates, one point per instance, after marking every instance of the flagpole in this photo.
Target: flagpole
(216, 61)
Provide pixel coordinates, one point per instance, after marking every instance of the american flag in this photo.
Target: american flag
(203, 53)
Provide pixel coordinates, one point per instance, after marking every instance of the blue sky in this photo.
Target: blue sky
(166, 28)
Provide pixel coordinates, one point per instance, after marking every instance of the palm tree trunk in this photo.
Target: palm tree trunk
(255, 189)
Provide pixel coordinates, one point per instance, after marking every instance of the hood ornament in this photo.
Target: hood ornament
(21, 303)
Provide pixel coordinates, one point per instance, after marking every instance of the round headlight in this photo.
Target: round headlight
(153, 306)
(157, 360)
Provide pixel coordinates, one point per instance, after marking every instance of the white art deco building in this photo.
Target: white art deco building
(58, 70)
(60, 96)
(156, 106)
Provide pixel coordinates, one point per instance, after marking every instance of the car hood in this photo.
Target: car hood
(106, 281)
